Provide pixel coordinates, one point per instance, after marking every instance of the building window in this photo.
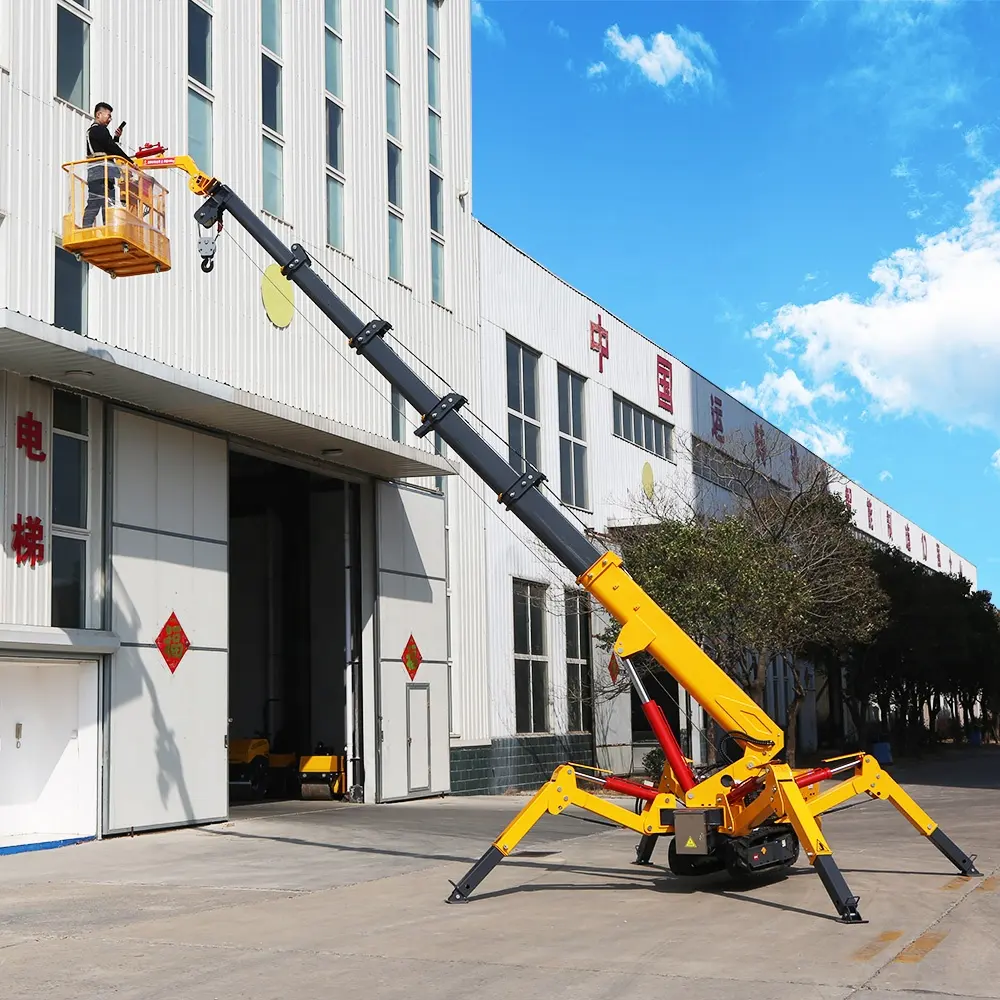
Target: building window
(643, 429)
(394, 148)
(270, 25)
(70, 509)
(578, 663)
(531, 668)
(272, 165)
(270, 93)
(199, 44)
(333, 54)
(70, 311)
(272, 152)
(199, 105)
(434, 148)
(572, 446)
(200, 130)
(335, 166)
(72, 58)
(523, 426)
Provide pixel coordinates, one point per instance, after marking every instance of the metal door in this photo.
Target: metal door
(167, 691)
(411, 606)
(418, 737)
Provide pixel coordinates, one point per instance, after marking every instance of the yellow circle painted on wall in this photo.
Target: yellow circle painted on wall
(647, 480)
(278, 296)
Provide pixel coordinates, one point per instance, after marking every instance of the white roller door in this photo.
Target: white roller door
(412, 603)
(167, 724)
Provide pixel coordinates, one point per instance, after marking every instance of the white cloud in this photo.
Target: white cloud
(778, 395)
(558, 30)
(830, 443)
(685, 56)
(597, 69)
(884, 475)
(927, 339)
(995, 460)
(481, 19)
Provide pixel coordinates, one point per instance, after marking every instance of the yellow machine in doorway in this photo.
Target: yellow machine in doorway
(314, 776)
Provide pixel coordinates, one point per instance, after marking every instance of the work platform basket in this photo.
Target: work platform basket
(116, 217)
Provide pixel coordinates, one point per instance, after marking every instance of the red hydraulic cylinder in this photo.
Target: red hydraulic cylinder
(630, 788)
(671, 748)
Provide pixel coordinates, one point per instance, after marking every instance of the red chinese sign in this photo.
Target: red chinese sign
(172, 642)
(28, 540)
(938, 547)
(29, 436)
(888, 521)
(718, 431)
(794, 455)
(923, 543)
(849, 497)
(871, 516)
(599, 341)
(411, 657)
(907, 538)
(760, 441)
(665, 384)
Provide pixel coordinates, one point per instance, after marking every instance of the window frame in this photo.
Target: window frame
(335, 177)
(579, 666)
(82, 13)
(198, 89)
(518, 457)
(577, 445)
(90, 533)
(271, 136)
(534, 594)
(396, 213)
(84, 288)
(647, 421)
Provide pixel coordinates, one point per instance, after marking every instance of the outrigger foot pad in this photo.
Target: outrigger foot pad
(462, 890)
(963, 862)
(644, 849)
(836, 885)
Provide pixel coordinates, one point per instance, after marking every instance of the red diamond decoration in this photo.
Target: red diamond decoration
(172, 642)
(411, 657)
(613, 668)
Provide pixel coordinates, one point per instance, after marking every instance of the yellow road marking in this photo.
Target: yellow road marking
(871, 949)
(918, 950)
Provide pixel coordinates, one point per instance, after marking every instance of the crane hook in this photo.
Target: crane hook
(207, 264)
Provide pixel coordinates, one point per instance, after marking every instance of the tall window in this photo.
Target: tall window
(70, 307)
(572, 443)
(271, 111)
(642, 428)
(523, 427)
(579, 713)
(434, 143)
(531, 666)
(394, 139)
(200, 96)
(334, 83)
(73, 54)
(70, 510)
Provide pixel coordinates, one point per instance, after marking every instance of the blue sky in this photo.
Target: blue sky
(799, 200)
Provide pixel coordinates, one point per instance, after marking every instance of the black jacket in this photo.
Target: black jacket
(100, 143)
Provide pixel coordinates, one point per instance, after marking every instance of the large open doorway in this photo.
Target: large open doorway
(294, 652)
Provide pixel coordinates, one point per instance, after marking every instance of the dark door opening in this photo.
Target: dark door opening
(294, 669)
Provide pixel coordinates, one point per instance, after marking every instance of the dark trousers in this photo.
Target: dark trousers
(100, 192)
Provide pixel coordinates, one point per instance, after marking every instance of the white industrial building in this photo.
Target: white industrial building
(185, 458)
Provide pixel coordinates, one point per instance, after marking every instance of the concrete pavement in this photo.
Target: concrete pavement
(316, 899)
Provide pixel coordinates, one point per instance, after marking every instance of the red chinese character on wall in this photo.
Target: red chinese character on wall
(923, 543)
(599, 341)
(937, 545)
(907, 538)
(665, 384)
(949, 562)
(718, 431)
(27, 540)
(888, 521)
(29, 436)
(795, 469)
(849, 497)
(759, 440)
(871, 516)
